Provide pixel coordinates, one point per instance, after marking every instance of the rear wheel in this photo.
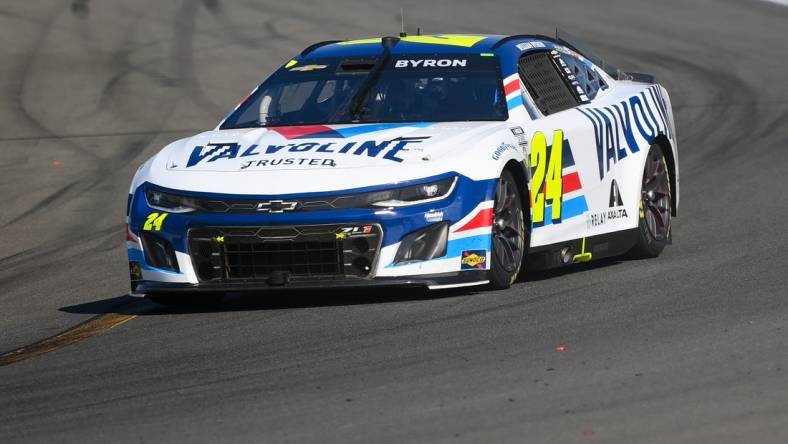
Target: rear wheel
(655, 217)
(186, 299)
(508, 233)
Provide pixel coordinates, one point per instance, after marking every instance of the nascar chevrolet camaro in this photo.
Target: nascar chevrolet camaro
(438, 161)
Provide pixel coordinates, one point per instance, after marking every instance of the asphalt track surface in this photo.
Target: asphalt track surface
(690, 347)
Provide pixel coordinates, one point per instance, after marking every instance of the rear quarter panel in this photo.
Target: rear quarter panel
(605, 146)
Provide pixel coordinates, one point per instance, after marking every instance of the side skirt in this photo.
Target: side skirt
(569, 252)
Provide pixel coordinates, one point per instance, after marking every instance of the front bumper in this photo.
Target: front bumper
(467, 209)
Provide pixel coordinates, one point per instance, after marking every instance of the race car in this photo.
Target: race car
(437, 161)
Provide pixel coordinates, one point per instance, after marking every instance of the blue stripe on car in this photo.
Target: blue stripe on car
(569, 208)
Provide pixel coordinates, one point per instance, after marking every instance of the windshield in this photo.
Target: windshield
(407, 88)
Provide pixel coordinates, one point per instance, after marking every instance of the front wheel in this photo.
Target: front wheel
(654, 227)
(508, 233)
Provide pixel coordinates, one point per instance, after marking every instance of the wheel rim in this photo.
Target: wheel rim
(655, 200)
(508, 230)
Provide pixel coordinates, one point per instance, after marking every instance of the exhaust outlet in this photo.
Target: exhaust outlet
(567, 255)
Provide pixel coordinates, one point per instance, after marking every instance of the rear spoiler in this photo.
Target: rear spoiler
(574, 43)
(640, 77)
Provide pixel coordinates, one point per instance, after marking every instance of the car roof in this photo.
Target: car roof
(417, 44)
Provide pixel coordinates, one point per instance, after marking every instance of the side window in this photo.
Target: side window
(548, 88)
(581, 75)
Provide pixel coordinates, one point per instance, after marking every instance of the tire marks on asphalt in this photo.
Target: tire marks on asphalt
(78, 333)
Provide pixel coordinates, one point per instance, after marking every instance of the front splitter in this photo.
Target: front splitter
(434, 282)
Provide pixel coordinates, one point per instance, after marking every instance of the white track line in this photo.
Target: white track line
(777, 2)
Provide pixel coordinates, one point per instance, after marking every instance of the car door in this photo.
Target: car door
(561, 156)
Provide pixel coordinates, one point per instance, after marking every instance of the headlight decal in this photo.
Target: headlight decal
(170, 202)
(174, 202)
(417, 194)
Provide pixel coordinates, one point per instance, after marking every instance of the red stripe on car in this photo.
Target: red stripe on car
(571, 182)
(481, 220)
(512, 86)
(293, 132)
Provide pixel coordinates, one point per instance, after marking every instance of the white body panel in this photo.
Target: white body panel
(461, 147)
(604, 143)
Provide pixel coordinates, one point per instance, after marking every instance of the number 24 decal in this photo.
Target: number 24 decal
(154, 222)
(547, 183)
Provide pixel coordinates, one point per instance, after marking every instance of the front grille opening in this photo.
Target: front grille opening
(250, 259)
(297, 252)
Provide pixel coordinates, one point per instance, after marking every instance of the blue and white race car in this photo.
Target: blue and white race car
(438, 161)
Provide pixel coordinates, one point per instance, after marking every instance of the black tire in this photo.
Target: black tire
(186, 299)
(655, 206)
(509, 233)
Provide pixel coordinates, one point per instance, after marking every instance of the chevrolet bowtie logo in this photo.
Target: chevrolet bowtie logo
(276, 206)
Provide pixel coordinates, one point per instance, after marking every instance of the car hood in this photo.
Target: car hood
(318, 147)
(286, 160)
